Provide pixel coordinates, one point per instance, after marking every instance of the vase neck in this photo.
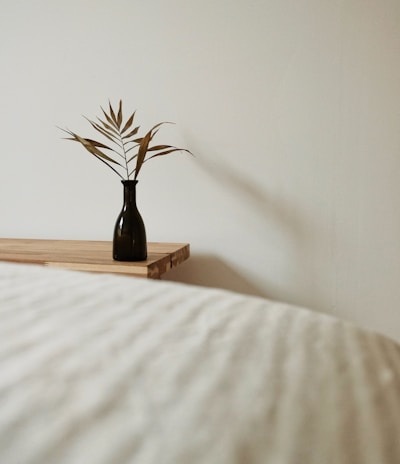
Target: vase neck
(129, 191)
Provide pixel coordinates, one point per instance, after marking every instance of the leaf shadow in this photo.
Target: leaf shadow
(277, 218)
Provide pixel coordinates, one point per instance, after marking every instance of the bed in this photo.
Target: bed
(101, 369)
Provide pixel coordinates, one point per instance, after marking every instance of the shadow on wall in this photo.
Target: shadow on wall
(259, 201)
(286, 229)
(209, 271)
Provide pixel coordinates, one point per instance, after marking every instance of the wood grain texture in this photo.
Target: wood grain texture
(93, 256)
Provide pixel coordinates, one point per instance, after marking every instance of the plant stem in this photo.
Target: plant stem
(124, 154)
(109, 165)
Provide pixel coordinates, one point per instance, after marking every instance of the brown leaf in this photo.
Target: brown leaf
(142, 152)
(132, 158)
(109, 135)
(99, 144)
(159, 147)
(109, 118)
(91, 148)
(144, 143)
(108, 127)
(119, 117)
(128, 123)
(132, 133)
(166, 152)
(112, 114)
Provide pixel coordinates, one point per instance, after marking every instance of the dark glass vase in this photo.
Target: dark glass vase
(129, 242)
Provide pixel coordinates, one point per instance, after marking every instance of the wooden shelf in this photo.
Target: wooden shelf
(93, 256)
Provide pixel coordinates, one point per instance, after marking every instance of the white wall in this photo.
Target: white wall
(292, 108)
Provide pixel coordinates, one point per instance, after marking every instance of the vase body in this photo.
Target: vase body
(129, 243)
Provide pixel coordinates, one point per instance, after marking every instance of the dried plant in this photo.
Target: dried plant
(126, 149)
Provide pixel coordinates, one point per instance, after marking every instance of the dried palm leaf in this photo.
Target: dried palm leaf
(121, 135)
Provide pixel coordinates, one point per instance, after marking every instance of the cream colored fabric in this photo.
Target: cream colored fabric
(98, 369)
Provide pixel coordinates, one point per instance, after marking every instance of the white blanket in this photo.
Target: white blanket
(98, 369)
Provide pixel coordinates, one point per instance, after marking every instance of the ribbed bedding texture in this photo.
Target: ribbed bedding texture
(101, 369)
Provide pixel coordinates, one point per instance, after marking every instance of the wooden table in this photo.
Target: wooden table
(93, 256)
